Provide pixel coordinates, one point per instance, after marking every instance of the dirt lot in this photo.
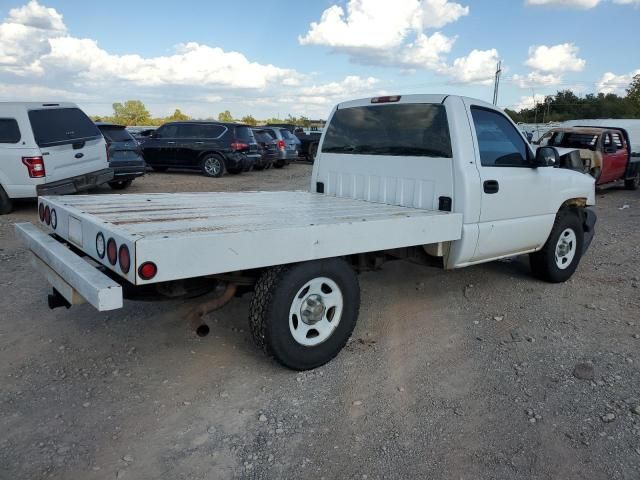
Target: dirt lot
(459, 375)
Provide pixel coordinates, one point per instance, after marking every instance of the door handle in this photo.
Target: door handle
(491, 186)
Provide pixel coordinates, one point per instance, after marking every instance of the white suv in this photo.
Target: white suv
(48, 149)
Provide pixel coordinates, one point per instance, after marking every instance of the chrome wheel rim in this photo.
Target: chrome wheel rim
(212, 166)
(315, 311)
(566, 248)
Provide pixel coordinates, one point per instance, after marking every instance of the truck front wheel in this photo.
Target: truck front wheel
(6, 205)
(303, 314)
(561, 254)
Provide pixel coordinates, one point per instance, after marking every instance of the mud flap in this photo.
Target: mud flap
(589, 225)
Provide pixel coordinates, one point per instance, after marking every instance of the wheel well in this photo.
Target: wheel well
(211, 152)
(579, 202)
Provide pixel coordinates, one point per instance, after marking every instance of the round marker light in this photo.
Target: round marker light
(54, 219)
(147, 270)
(47, 215)
(100, 245)
(124, 258)
(112, 251)
(41, 212)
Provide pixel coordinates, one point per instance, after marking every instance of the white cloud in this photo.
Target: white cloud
(372, 32)
(612, 83)
(37, 16)
(566, 3)
(477, 67)
(555, 59)
(529, 102)
(627, 2)
(537, 79)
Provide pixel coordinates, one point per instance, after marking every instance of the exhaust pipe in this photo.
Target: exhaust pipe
(208, 306)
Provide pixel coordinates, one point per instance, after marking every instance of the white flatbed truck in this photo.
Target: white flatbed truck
(438, 179)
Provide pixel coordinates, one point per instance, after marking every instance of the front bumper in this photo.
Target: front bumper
(76, 184)
(69, 275)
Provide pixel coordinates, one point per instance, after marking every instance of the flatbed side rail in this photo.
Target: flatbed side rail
(69, 273)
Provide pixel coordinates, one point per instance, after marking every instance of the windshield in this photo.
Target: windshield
(405, 129)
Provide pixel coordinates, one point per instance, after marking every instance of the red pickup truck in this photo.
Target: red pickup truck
(605, 152)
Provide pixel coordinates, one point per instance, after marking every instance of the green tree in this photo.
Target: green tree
(249, 120)
(133, 112)
(177, 116)
(225, 116)
(633, 94)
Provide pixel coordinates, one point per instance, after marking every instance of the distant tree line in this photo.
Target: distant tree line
(134, 112)
(566, 105)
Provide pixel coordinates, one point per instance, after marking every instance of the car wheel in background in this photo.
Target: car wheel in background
(279, 164)
(212, 166)
(313, 150)
(120, 184)
(6, 204)
(632, 183)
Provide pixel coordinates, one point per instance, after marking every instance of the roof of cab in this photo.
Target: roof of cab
(413, 98)
(34, 105)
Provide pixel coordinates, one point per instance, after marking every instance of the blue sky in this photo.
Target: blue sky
(300, 57)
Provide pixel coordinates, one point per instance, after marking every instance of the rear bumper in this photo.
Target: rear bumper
(73, 278)
(129, 172)
(76, 184)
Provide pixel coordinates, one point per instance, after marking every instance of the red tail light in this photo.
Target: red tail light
(124, 258)
(388, 99)
(47, 215)
(112, 251)
(107, 144)
(238, 145)
(147, 270)
(35, 166)
(281, 145)
(41, 212)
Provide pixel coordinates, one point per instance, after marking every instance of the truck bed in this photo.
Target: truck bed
(197, 234)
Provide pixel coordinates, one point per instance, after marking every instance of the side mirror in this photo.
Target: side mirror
(546, 157)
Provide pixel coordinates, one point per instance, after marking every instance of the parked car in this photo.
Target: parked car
(124, 153)
(308, 139)
(268, 149)
(211, 147)
(48, 149)
(139, 132)
(286, 144)
(437, 179)
(605, 152)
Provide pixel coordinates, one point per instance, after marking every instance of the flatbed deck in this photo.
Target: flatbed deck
(197, 234)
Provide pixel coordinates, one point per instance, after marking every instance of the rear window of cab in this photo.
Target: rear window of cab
(9, 130)
(61, 126)
(416, 129)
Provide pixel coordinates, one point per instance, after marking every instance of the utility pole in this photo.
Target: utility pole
(496, 84)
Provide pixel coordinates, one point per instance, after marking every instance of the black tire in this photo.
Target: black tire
(313, 150)
(159, 169)
(544, 264)
(212, 165)
(278, 164)
(270, 311)
(6, 204)
(120, 184)
(259, 167)
(235, 171)
(632, 183)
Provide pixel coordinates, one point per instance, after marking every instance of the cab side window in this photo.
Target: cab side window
(167, 131)
(9, 131)
(500, 143)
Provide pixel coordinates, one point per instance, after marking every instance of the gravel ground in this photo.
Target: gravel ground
(468, 374)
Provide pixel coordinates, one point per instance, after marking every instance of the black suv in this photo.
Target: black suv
(211, 147)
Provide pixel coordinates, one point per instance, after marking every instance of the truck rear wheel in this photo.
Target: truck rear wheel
(120, 184)
(303, 314)
(561, 254)
(6, 204)
(632, 183)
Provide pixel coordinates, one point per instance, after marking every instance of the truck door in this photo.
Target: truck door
(615, 157)
(515, 213)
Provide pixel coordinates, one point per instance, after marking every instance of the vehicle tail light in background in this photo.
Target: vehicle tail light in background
(41, 212)
(112, 251)
(281, 145)
(54, 219)
(35, 166)
(107, 145)
(239, 145)
(124, 258)
(147, 270)
(101, 246)
(47, 215)
(387, 99)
